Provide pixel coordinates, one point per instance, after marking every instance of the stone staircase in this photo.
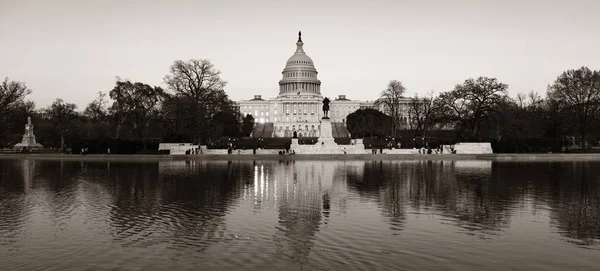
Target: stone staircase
(339, 130)
(258, 130)
(263, 130)
(268, 131)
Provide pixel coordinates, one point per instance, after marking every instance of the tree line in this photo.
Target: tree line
(481, 110)
(193, 107)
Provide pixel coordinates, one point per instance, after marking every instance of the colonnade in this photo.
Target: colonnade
(296, 86)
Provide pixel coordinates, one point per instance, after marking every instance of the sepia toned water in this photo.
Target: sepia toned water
(299, 215)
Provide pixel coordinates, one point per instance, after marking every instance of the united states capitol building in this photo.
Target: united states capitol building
(298, 107)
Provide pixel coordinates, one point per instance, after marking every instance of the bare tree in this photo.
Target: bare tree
(522, 100)
(122, 107)
(529, 101)
(450, 108)
(535, 100)
(137, 104)
(421, 112)
(62, 115)
(470, 103)
(96, 125)
(12, 93)
(97, 109)
(391, 100)
(200, 83)
(578, 92)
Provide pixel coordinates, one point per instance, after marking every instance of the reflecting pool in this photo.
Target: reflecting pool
(299, 215)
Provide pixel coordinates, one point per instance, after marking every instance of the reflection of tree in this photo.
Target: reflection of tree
(58, 182)
(576, 212)
(136, 201)
(571, 190)
(482, 202)
(382, 182)
(469, 195)
(13, 177)
(206, 196)
(184, 204)
(13, 202)
(482, 197)
(367, 181)
(394, 194)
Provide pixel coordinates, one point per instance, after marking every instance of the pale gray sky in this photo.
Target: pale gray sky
(73, 49)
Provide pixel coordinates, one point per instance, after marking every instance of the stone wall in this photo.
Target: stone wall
(473, 148)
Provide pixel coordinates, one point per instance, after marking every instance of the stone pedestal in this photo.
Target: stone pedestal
(326, 133)
(28, 142)
(294, 145)
(359, 143)
(326, 144)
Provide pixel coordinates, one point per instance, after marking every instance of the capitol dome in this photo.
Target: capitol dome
(299, 74)
(300, 59)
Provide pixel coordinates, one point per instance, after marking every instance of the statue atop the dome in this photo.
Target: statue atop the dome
(326, 108)
(299, 36)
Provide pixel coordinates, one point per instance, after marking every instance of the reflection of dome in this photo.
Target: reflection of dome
(299, 75)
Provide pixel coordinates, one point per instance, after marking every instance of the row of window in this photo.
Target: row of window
(300, 62)
(299, 74)
(256, 113)
(312, 127)
(294, 111)
(305, 113)
(256, 106)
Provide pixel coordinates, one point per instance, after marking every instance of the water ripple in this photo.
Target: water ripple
(302, 215)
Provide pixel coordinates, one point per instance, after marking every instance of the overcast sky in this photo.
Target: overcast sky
(73, 49)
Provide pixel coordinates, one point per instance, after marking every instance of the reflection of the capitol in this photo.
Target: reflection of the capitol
(294, 184)
(302, 192)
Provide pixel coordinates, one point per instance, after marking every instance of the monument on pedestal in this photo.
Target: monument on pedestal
(326, 131)
(326, 143)
(28, 142)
